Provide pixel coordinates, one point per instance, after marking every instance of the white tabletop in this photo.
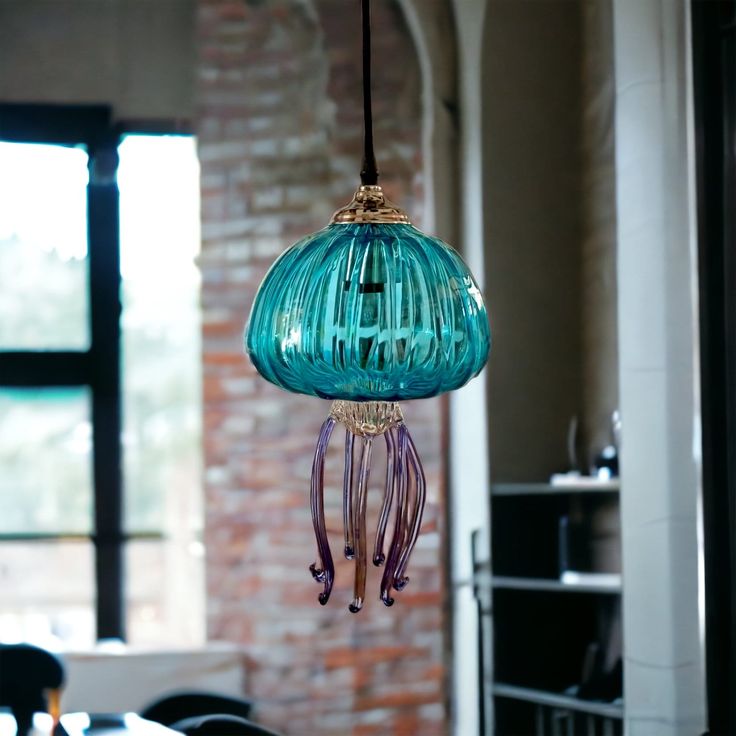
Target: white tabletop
(89, 724)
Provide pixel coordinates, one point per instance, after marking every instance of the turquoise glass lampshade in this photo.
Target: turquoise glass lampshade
(367, 311)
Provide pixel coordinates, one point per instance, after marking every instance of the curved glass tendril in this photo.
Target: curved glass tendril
(403, 499)
(322, 571)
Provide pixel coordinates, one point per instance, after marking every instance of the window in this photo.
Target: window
(158, 179)
(85, 549)
(43, 231)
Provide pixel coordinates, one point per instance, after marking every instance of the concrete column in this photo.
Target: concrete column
(469, 472)
(657, 305)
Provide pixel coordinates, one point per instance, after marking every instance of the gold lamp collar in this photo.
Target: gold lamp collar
(369, 205)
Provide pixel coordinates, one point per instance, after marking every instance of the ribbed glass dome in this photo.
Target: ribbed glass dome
(369, 311)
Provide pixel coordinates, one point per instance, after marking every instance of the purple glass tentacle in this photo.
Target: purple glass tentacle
(420, 482)
(407, 513)
(400, 478)
(326, 573)
(361, 551)
(347, 496)
(378, 554)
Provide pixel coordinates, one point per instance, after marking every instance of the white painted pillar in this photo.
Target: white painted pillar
(657, 307)
(469, 476)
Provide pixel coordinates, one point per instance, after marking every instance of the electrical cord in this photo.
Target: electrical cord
(369, 169)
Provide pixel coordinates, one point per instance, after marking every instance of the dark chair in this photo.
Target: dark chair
(27, 674)
(180, 705)
(220, 725)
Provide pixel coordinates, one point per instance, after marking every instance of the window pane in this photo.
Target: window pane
(159, 232)
(165, 595)
(43, 247)
(158, 179)
(45, 456)
(48, 593)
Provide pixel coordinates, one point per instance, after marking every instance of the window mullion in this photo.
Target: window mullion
(105, 308)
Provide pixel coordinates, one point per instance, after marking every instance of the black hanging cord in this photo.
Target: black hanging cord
(369, 170)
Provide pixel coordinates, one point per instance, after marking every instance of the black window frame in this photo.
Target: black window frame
(98, 367)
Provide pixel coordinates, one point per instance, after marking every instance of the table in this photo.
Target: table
(89, 724)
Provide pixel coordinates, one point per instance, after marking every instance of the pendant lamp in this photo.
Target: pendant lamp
(369, 312)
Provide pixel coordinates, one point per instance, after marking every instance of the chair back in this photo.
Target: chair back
(179, 705)
(220, 725)
(28, 676)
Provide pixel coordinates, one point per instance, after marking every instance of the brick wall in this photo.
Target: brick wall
(279, 126)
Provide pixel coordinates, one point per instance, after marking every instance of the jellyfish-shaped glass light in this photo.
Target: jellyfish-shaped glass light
(368, 312)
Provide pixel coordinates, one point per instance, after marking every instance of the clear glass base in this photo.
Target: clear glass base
(367, 418)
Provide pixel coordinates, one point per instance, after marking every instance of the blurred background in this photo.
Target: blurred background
(156, 156)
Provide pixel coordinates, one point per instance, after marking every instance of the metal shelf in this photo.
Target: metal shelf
(557, 700)
(611, 584)
(550, 489)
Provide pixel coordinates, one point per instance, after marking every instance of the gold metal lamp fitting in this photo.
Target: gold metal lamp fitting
(369, 205)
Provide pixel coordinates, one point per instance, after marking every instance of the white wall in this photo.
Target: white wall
(100, 682)
(598, 261)
(137, 55)
(533, 211)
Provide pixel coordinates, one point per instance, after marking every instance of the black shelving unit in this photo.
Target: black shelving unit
(610, 584)
(556, 601)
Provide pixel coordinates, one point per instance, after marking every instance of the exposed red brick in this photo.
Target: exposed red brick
(365, 656)
(397, 699)
(280, 140)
